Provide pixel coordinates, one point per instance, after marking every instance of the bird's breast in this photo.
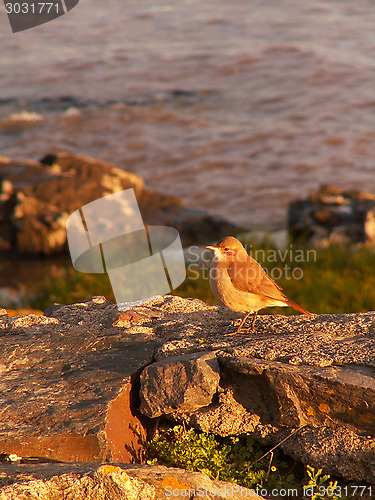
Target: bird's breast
(233, 298)
(226, 294)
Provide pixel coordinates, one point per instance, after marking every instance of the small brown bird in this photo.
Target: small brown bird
(241, 284)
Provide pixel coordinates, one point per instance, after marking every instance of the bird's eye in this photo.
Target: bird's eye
(226, 249)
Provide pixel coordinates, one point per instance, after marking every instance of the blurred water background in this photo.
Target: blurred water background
(236, 107)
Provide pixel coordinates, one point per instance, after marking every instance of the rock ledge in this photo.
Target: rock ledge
(87, 390)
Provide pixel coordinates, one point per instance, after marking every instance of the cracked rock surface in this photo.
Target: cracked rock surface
(82, 382)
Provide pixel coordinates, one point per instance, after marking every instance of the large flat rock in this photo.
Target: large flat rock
(89, 481)
(76, 378)
(66, 383)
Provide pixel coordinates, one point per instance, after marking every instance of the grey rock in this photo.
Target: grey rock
(323, 410)
(184, 382)
(78, 380)
(333, 215)
(309, 375)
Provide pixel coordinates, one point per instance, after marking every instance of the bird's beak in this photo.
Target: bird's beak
(210, 247)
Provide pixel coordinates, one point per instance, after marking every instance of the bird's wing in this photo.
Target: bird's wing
(249, 276)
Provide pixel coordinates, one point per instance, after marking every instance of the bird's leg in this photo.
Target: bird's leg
(243, 321)
(254, 318)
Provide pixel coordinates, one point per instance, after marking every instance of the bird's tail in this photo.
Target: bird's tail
(298, 308)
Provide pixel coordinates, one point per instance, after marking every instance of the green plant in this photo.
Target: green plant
(317, 488)
(239, 459)
(236, 459)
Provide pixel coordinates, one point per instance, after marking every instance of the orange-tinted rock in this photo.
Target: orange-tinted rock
(36, 199)
(124, 431)
(65, 447)
(92, 481)
(66, 380)
(19, 312)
